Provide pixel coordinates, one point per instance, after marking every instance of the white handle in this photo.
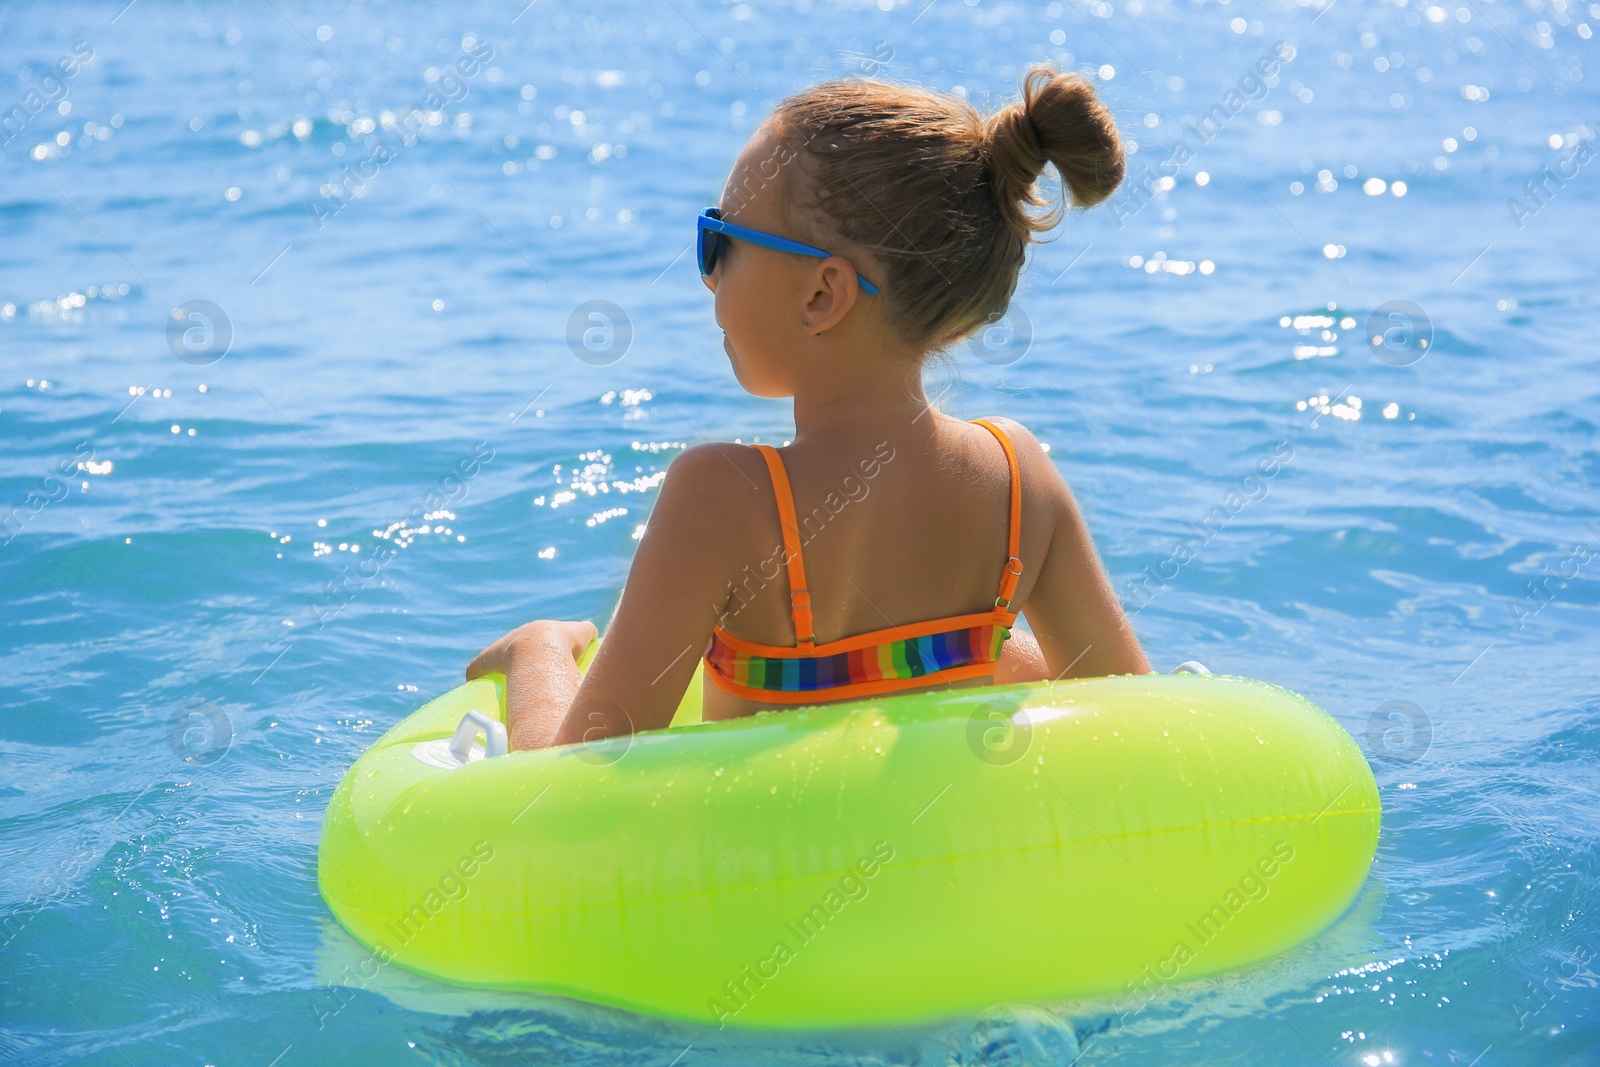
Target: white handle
(1190, 666)
(494, 736)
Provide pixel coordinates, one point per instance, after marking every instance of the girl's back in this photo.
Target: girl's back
(898, 527)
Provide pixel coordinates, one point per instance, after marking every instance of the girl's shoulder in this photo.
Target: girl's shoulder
(716, 464)
(707, 487)
(1042, 480)
(706, 521)
(1017, 433)
(1030, 452)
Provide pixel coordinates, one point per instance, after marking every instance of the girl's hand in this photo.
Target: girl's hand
(575, 636)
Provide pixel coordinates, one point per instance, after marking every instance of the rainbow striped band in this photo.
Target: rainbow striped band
(904, 660)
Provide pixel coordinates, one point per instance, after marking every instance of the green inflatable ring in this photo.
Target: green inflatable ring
(897, 860)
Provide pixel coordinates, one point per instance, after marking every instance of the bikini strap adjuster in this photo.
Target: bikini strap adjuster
(800, 612)
(1008, 582)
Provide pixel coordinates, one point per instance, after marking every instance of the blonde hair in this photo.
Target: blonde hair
(939, 194)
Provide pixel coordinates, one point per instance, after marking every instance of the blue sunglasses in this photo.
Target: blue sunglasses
(714, 235)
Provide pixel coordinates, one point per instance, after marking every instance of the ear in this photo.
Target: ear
(832, 294)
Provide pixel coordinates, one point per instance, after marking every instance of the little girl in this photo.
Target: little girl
(889, 547)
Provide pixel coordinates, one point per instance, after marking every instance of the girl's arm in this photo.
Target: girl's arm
(540, 662)
(1081, 628)
(675, 592)
(1021, 660)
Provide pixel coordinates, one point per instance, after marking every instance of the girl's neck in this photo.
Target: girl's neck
(885, 402)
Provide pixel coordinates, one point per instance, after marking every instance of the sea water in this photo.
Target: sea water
(336, 342)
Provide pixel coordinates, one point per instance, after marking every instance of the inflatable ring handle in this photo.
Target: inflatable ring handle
(1191, 666)
(494, 736)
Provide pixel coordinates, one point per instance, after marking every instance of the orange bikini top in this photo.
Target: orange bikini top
(883, 661)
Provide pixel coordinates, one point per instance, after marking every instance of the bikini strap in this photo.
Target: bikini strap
(799, 595)
(1013, 566)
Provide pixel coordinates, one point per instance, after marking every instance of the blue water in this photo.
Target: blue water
(233, 556)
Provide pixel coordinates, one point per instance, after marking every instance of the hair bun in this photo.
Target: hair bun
(1061, 121)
